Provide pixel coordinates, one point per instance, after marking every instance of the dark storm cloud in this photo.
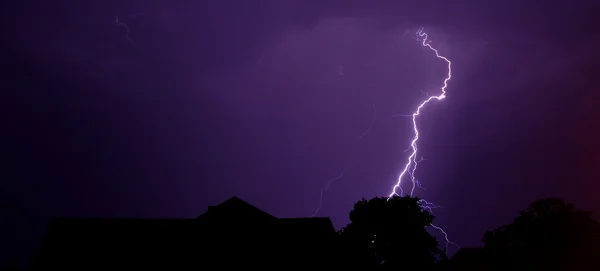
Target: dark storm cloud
(503, 51)
(238, 98)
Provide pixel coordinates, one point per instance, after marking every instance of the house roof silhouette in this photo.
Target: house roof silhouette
(234, 208)
(232, 229)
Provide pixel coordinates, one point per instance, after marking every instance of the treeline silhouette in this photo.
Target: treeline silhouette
(549, 234)
(383, 234)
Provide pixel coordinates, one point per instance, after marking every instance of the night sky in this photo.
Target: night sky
(267, 101)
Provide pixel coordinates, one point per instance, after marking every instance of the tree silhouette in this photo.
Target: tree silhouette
(549, 234)
(391, 234)
(10, 266)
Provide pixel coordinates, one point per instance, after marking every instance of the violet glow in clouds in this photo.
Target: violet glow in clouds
(214, 101)
(412, 162)
(411, 165)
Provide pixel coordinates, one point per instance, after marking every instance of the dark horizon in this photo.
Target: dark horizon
(267, 102)
(384, 233)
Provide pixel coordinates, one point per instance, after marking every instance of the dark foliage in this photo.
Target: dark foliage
(549, 235)
(383, 234)
(11, 266)
(391, 234)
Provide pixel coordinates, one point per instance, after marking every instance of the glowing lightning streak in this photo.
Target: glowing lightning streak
(413, 145)
(412, 162)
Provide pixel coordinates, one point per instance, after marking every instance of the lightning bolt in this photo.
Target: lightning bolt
(411, 164)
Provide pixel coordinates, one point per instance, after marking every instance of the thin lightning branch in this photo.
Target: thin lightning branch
(121, 24)
(322, 192)
(411, 164)
(370, 126)
(427, 205)
(419, 185)
(448, 243)
(325, 188)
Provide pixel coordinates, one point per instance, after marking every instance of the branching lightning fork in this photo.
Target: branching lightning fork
(411, 164)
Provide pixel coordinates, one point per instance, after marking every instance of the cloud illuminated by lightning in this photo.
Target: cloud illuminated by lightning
(411, 164)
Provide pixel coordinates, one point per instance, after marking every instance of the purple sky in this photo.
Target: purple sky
(247, 99)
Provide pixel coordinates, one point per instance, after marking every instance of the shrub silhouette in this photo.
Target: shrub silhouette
(550, 234)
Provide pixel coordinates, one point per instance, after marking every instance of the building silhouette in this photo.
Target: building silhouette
(231, 234)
